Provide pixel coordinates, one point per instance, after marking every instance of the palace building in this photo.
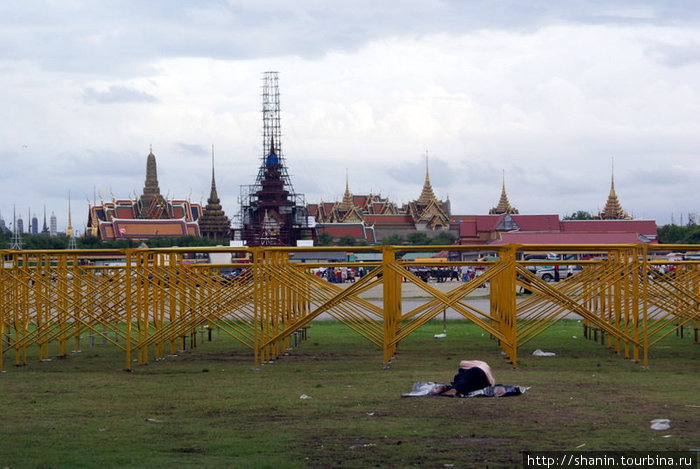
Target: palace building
(371, 218)
(504, 225)
(147, 216)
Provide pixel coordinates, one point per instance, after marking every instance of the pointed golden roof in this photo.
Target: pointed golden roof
(69, 228)
(613, 209)
(347, 203)
(503, 203)
(214, 223)
(151, 196)
(427, 195)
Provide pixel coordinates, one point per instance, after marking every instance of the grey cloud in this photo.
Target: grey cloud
(441, 173)
(94, 37)
(194, 148)
(675, 55)
(117, 94)
(679, 179)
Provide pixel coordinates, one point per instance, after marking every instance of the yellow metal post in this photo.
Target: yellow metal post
(392, 302)
(129, 281)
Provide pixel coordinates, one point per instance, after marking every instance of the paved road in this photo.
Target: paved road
(482, 304)
(414, 296)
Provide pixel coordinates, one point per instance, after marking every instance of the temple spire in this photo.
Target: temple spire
(151, 191)
(213, 194)
(72, 244)
(347, 202)
(69, 228)
(503, 203)
(45, 227)
(214, 223)
(613, 209)
(427, 195)
(272, 157)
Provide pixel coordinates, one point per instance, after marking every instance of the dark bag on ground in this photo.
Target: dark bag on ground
(472, 379)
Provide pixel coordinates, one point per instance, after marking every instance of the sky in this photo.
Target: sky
(550, 97)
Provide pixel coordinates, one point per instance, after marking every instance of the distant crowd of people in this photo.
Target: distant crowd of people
(440, 274)
(341, 274)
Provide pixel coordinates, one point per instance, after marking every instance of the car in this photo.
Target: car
(548, 274)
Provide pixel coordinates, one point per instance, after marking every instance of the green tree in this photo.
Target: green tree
(693, 236)
(392, 240)
(325, 239)
(418, 238)
(580, 215)
(346, 240)
(674, 234)
(89, 242)
(41, 242)
(443, 238)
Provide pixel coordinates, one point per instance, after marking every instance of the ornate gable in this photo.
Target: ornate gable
(352, 215)
(433, 215)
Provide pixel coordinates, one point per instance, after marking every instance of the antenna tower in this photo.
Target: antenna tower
(16, 241)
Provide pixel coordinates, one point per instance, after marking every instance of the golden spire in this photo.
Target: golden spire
(213, 195)
(613, 209)
(427, 195)
(503, 203)
(69, 228)
(214, 223)
(347, 203)
(151, 190)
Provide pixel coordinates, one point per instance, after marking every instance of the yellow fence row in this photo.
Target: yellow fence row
(150, 303)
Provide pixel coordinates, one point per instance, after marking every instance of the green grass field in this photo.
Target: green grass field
(208, 408)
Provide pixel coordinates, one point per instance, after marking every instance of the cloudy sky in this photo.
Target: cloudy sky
(547, 93)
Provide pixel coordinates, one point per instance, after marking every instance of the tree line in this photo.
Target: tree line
(44, 242)
(667, 234)
(417, 239)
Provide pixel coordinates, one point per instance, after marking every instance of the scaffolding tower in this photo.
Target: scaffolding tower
(256, 199)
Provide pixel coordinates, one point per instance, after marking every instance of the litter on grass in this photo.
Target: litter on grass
(540, 353)
(424, 388)
(660, 424)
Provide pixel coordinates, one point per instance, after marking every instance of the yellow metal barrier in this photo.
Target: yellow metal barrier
(151, 303)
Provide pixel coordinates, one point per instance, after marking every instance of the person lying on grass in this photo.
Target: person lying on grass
(471, 376)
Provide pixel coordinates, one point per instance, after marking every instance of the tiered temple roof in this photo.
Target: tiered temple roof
(613, 209)
(380, 214)
(151, 215)
(427, 211)
(271, 214)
